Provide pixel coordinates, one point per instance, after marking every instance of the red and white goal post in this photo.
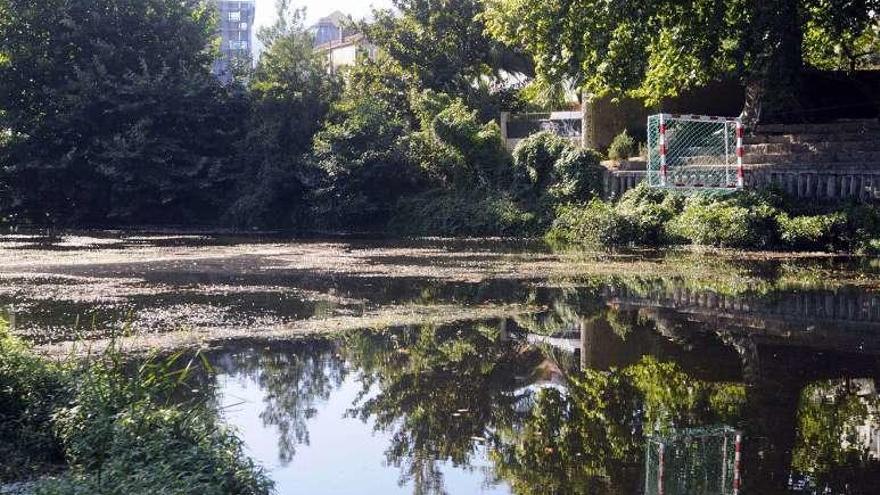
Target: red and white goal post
(695, 153)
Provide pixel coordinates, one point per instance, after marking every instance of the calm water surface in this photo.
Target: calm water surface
(762, 379)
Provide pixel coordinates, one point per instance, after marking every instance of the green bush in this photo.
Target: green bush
(364, 159)
(817, 232)
(623, 146)
(535, 159)
(29, 390)
(462, 214)
(118, 431)
(479, 145)
(578, 176)
(744, 221)
(652, 209)
(596, 224)
(862, 231)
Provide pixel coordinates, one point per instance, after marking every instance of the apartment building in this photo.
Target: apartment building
(236, 25)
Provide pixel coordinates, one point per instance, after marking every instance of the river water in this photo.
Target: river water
(491, 366)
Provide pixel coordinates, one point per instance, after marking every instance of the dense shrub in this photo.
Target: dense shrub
(365, 165)
(29, 390)
(477, 145)
(862, 231)
(535, 159)
(119, 447)
(597, 224)
(652, 209)
(817, 232)
(578, 176)
(745, 221)
(456, 214)
(623, 146)
(118, 431)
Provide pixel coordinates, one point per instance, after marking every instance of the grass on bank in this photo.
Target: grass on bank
(101, 427)
(743, 220)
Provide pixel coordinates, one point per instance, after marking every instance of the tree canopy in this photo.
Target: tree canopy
(111, 111)
(658, 48)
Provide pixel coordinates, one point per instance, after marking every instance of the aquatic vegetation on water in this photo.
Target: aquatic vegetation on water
(114, 430)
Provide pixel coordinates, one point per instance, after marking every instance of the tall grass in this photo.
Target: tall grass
(116, 428)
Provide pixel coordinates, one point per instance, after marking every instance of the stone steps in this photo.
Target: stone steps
(845, 146)
(850, 126)
(871, 158)
(805, 138)
(811, 147)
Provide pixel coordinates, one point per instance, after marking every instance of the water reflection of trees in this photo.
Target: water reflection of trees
(295, 378)
(449, 393)
(838, 421)
(438, 391)
(590, 438)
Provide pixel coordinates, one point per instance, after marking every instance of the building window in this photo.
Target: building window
(243, 26)
(238, 45)
(235, 16)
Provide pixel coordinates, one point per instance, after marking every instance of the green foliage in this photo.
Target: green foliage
(115, 114)
(470, 153)
(652, 209)
(364, 157)
(443, 46)
(578, 176)
(639, 218)
(29, 390)
(842, 37)
(817, 232)
(596, 224)
(623, 146)
(462, 214)
(122, 435)
(118, 431)
(535, 158)
(654, 51)
(665, 47)
(745, 221)
(290, 93)
(378, 160)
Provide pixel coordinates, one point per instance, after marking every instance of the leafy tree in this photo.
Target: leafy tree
(443, 45)
(366, 169)
(658, 48)
(838, 37)
(111, 111)
(291, 92)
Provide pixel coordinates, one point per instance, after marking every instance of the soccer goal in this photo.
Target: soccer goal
(702, 461)
(695, 153)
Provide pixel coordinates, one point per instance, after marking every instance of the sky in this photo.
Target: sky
(316, 9)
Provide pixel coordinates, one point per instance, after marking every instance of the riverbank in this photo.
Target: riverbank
(105, 426)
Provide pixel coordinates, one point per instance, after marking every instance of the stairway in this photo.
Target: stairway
(817, 161)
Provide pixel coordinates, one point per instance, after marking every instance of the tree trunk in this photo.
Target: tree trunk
(773, 77)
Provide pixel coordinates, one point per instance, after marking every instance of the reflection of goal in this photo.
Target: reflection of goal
(694, 152)
(703, 461)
